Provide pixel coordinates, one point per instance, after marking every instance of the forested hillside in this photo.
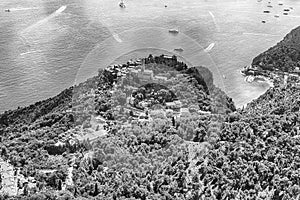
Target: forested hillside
(284, 56)
(155, 131)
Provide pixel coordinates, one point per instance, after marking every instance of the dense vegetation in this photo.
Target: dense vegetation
(284, 56)
(251, 153)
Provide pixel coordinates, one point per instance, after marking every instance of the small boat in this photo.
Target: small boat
(285, 13)
(286, 10)
(173, 31)
(224, 76)
(7, 10)
(263, 21)
(269, 6)
(280, 3)
(276, 16)
(266, 11)
(166, 6)
(178, 49)
(122, 5)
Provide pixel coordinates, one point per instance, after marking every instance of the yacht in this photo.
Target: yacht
(178, 49)
(173, 31)
(122, 4)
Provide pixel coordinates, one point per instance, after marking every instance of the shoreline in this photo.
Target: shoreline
(259, 79)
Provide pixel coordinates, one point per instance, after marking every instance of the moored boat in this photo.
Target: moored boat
(173, 31)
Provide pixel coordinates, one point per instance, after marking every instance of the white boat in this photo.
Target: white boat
(173, 31)
(122, 4)
(178, 49)
(209, 48)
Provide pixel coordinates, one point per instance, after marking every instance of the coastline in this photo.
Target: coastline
(259, 79)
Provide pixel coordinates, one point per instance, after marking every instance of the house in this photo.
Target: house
(143, 104)
(174, 105)
(161, 78)
(59, 144)
(201, 112)
(170, 105)
(178, 104)
(296, 70)
(184, 112)
(100, 119)
(146, 75)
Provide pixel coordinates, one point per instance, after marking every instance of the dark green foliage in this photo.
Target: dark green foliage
(284, 56)
(247, 154)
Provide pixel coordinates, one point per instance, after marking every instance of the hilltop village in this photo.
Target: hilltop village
(143, 89)
(138, 93)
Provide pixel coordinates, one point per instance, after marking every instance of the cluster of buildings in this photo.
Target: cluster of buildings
(13, 182)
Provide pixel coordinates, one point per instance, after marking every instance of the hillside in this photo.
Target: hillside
(284, 56)
(90, 128)
(157, 130)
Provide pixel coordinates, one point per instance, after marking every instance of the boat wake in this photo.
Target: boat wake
(261, 34)
(28, 52)
(214, 20)
(20, 9)
(56, 13)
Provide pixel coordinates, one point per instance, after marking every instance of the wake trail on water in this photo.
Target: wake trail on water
(54, 14)
(261, 34)
(214, 20)
(20, 9)
(28, 52)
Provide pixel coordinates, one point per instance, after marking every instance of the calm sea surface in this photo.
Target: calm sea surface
(48, 45)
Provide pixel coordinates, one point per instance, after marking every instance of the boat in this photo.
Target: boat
(263, 21)
(209, 48)
(178, 49)
(276, 16)
(286, 10)
(122, 4)
(285, 13)
(7, 10)
(280, 3)
(266, 11)
(224, 76)
(269, 6)
(173, 31)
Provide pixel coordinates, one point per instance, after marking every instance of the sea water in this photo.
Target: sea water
(47, 46)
